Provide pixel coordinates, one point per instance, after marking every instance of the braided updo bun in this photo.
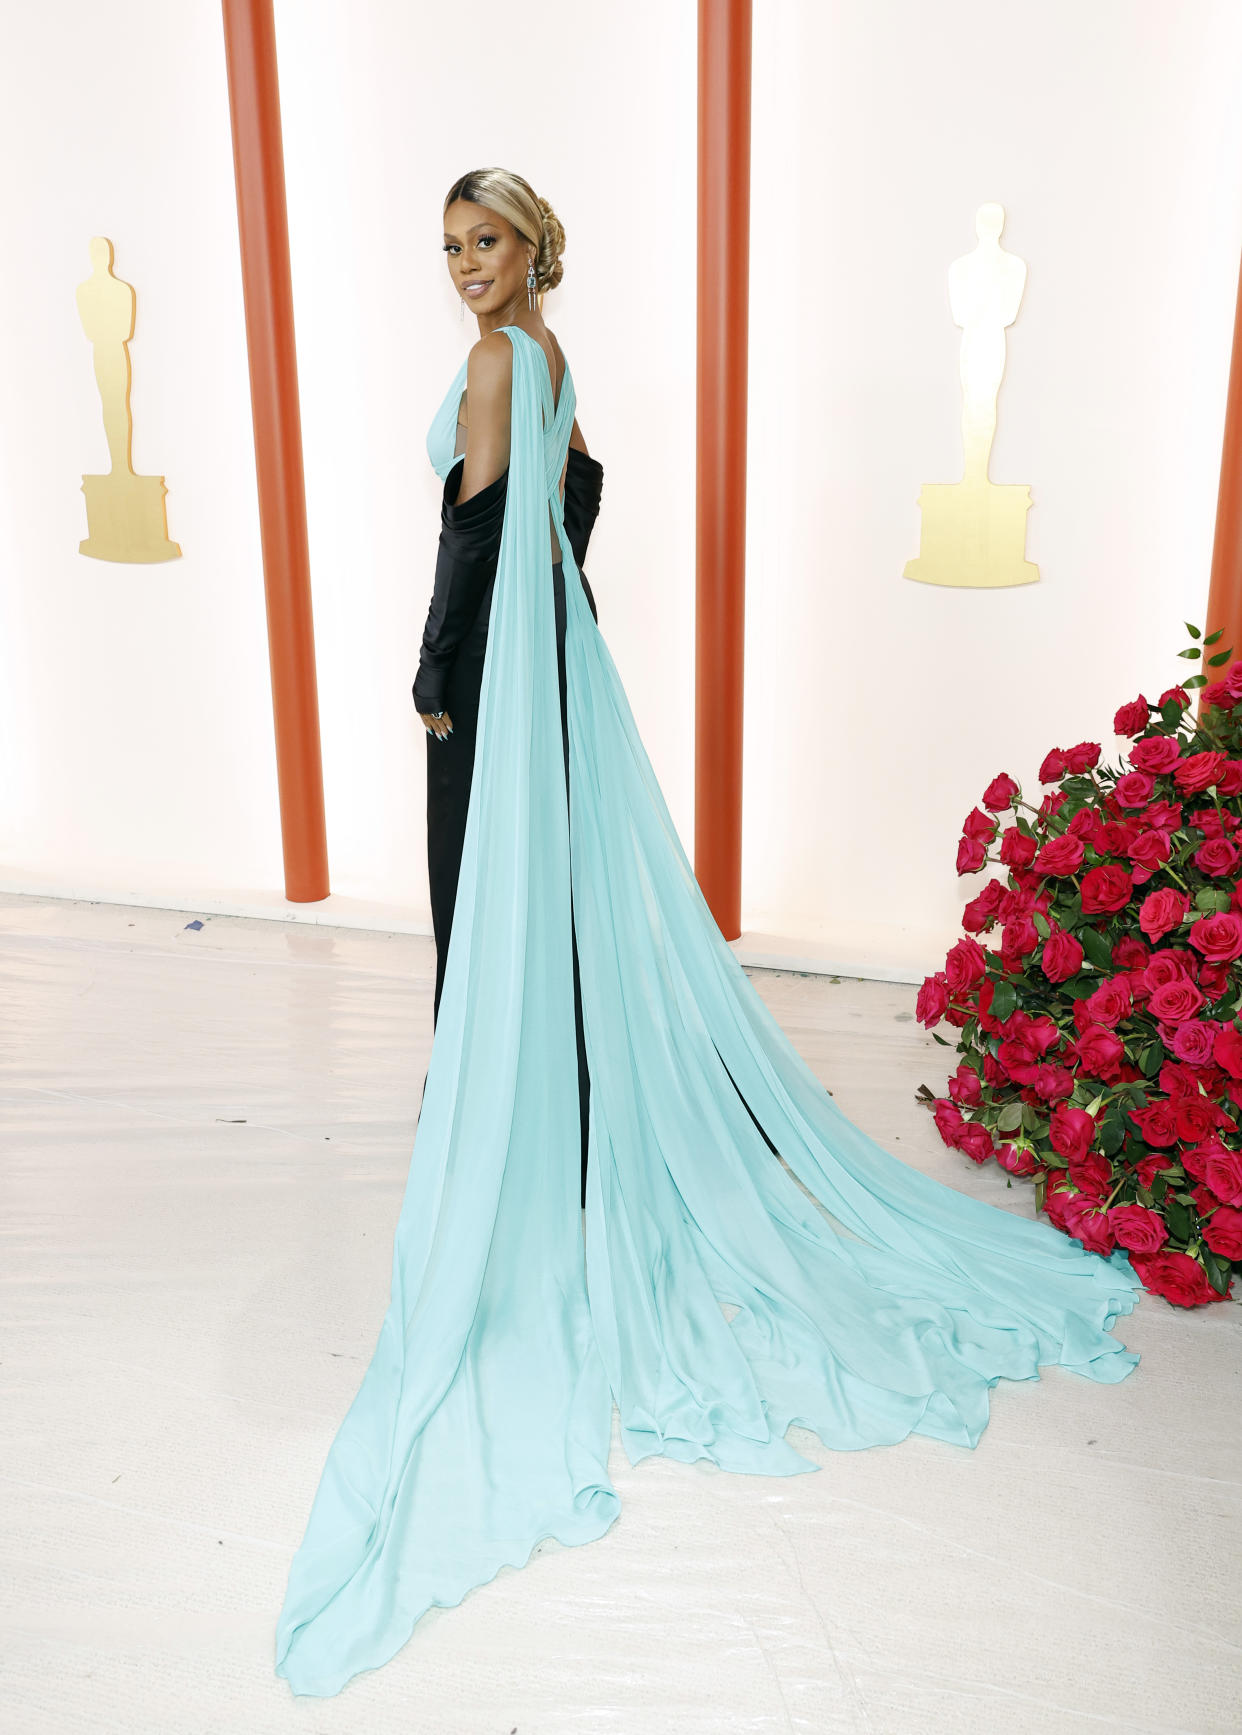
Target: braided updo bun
(548, 267)
(515, 200)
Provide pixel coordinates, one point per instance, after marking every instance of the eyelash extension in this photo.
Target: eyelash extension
(449, 245)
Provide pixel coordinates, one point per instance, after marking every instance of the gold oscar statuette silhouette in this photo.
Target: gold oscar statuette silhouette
(125, 514)
(974, 531)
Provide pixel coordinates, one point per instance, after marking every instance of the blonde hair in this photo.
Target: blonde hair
(517, 202)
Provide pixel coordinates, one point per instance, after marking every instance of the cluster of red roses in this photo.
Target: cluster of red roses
(1100, 1048)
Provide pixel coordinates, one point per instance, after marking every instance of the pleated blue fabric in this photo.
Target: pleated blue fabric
(710, 1299)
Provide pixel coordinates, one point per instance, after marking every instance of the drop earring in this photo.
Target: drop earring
(461, 306)
(530, 284)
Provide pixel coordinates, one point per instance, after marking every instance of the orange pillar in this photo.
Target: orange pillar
(723, 305)
(259, 170)
(1224, 608)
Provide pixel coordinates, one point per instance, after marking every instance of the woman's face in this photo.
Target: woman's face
(484, 249)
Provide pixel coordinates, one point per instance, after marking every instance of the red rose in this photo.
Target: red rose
(971, 855)
(964, 966)
(1196, 1118)
(1156, 1122)
(1137, 1228)
(965, 1088)
(1230, 780)
(1091, 1174)
(1218, 936)
(1080, 1216)
(1130, 953)
(1223, 1232)
(1052, 1082)
(980, 912)
(933, 998)
(1175, 1002)
(975, 1142)
(1083, 757)
(1020, 898)
(1222, 1171)
(1000, 792)
(1017, 848)
(1114, 836)
(1227, 1050)
(979, 825)
(1018, 939)
(1106, 888)
(949, 1121)
(1194, 1043)
(1111, 1002)
(1174, 696)
(1214, 979)
(1171, 964)
(1198, 772)
(1208, 821)
(1233, 680)
(1177, 1079)
(1194, 1158)
(1155, 753)
(1217, 856)
(1064, 855)
(1131, 719)
(1053, 768)
(1147, 1168)
(1052, 803)
(1062, 957)
(1100, 1052)
(1015, 1160)
(1135, 789)
(1071, 1131)
(1162, 911)
(1040, 1034)
(1176, 1276)
(1149, 851)
(1217, 693)
(1085, 823)
(1166, 814)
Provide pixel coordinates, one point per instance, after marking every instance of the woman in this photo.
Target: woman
(723, 1304)
(489, 266)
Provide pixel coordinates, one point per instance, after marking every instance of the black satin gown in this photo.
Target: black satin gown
(450, 675)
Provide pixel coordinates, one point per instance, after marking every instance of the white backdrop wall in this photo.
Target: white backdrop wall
(878, 708)
(135, 702)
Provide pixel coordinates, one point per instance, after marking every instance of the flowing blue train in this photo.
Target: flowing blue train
(482, 1424)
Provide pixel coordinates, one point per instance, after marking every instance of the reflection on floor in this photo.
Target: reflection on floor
(205, 1134)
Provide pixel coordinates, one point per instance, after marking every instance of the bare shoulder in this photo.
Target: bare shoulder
(489, 366)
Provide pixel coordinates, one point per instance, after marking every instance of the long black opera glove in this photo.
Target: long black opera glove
(466, 559)
(465, 564)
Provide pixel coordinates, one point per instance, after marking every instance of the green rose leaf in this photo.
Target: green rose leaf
(1178, 1218)
(1112, 1132)
(1218, 1270)
(1096, 948)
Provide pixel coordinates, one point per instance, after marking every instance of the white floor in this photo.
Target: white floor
(205, 1134)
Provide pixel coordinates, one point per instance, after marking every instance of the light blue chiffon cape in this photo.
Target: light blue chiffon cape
(482, 1424)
